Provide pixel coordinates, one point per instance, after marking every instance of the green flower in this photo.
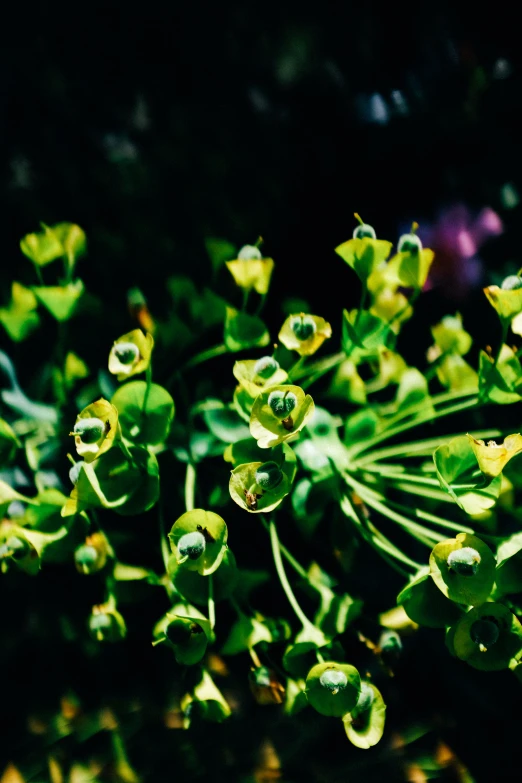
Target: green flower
(92, 555)
(261, 486)
(199, 540)
(251, 270)
(493, 457)
(106, 624)
(426, 605)
(507, 302)
(278, 413)
(488, 637)
(463, 568)
(96, 430)
(130, 354)
(254, 375)
(333, 688)
(187, 637)
(304, 333)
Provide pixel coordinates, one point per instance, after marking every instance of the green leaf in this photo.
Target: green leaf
(364, 255)
(426, 605)
(43, 247)
(20, 317)
(500, 381)
(412, 392)
(219, 251)
(368, 332)
(144, 425)
(73, 241)
(223, 421)
(508, 576)
(9, 443)
(60, 301)
(456, 465)
(245, 634)
(244, 331)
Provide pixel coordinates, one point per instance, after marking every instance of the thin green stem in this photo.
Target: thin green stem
(285, 584)
(204, 356)
(298, 568)
(429, 416)
(417, 448)
(148, 380)
(211, 603)
(317, 369)
(190, 486)
(293, 372)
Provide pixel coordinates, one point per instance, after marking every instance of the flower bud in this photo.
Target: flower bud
(364, 231)
(282, 403)
(511, 282)
(248, 252)
(89, 430)
(269, 475)
(192, 545)
(333, 680)
(484, 632)
(464, 561)
(74, 473)
(366, 697)
(106, 624)
(303, 326)
(85, 556)
(126, 353)
(409, 243)
(266, 367)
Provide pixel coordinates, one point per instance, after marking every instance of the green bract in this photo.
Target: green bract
(187, 637)
(364, 255)
(426, 605)
(507, 302)
(275, 419)
(211, 528)
(145, 411)
(492, 457)
(130, 354)
(456, 572)
(106, 624)
(96, 430)
(333, 688)
(194, 587)
(252, 495)
(488, 637)
(304, 333)
(364, 725)
(255, 375)
(250, 270)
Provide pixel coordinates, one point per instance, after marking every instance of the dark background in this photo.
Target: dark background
(155, 126)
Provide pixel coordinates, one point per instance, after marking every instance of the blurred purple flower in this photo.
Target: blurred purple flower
(456, 237)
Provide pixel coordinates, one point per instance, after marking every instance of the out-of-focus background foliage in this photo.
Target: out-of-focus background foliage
(156, 126)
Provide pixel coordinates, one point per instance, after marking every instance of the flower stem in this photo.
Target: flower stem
(204, 356)
(285, 584)
(211, 603)
(190, 486)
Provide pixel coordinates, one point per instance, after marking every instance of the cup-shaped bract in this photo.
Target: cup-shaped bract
(507, 302)
(106, 624)
(463, 568)
(130, 354)
(96, 429)
(488, 637)
(92, 555)
(212, 530)
(364, 725)
(251, 270)
(255, 374)
(188, 639)
(364, 255)
(492, 457)
(278, 413)
(304, 333)
(333, 688)
(450, 337)
(260, 486)
(15, 548)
